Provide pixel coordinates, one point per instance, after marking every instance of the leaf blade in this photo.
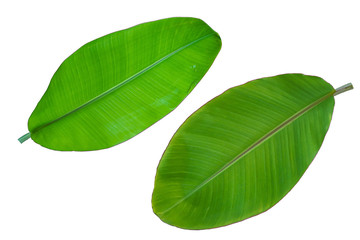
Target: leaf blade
(147, 59)
(198, 161)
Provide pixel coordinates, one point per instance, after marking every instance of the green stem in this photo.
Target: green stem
(24, 137)
(343, 88)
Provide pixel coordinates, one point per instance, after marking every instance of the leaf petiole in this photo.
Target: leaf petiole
(343, 88)
(24, 137)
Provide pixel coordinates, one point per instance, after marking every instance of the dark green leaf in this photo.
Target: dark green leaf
(243, 151)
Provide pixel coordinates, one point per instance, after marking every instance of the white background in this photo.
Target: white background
(106, 194)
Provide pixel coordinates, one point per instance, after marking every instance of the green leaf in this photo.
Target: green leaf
(243, 151)
(116, 86)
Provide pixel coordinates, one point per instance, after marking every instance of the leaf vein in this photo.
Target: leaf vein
(252, 147)
(129, 79)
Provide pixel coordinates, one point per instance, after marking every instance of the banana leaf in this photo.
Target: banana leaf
(118, 85)
(242, 152)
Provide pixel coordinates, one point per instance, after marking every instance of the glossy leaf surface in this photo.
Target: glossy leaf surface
(116, 86)
(243, 151)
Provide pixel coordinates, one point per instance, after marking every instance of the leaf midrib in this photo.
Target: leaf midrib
(252, 147)
(129, 79)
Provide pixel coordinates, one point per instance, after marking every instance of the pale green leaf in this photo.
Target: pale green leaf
(118, 85)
